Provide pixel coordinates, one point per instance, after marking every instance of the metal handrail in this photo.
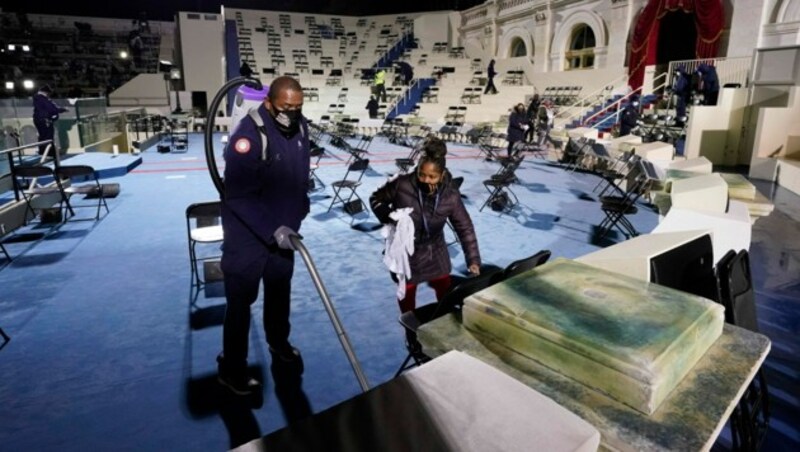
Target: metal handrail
(603, 99)
(729, 70)
(616, 104)
(9, 151)
(406, 95)
(25, 146)
(595, 94)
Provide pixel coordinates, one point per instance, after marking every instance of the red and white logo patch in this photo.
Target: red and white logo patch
(242, 145)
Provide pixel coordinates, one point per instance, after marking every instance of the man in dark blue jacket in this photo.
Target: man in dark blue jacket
(266, 186)
(490, 73)
(629, 117)
(710, 83)
(681, 87)
(45, 114)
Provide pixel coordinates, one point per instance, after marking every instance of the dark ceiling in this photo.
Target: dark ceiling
(166, 9)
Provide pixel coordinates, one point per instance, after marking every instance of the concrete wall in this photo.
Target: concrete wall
(744, 28)
(714, 132)
(144, 90)
(780, 23)
(202, 52)
(778, 128)
(433, 27)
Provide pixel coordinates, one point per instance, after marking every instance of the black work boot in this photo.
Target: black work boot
(287, 355)
(235, 378)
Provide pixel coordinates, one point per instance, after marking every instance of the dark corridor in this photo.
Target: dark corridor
(677, 38)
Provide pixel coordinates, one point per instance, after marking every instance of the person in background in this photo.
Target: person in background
(490, 73)
(266, 186)
(379, 85)
(137, 49)
(545, 118)
(530, 114)
(709, 85)
(372, 107)
(434, 200)
(45, 114)
(629, 117)
(406, 72)
(517, 126)
(245, 70)
(681, 88)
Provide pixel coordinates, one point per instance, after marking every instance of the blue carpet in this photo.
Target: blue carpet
(112, 349)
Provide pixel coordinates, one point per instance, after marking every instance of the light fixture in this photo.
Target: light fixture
(26, 48)
(164, 66)
(12, 47)
(27, 84)
(123, 54)
(9, 86)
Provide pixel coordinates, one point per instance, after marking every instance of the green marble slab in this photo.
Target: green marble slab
(690, 419)
(624, 337)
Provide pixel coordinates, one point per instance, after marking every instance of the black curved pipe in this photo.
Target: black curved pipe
(211, 161)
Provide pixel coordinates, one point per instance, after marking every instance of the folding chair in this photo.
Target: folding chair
(455, 183)
(750, 419)
(616, 172)
(574, 153)
(501, 197)
(403, 164)
(317, 152)
(358, 151)
(521, 266)
(30, 176)
(451, 302)
(359, 167)
(207, 229)
(93, 189)
(2, 247)
(487, 144)
(616, 208)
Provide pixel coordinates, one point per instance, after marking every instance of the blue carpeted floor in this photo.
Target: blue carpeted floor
(111, 349)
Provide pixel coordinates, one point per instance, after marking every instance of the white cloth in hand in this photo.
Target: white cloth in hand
(399, 246)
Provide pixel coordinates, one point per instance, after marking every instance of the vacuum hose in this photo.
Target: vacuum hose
(212, 114)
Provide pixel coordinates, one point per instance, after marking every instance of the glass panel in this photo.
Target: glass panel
(577, 39)
(588, 42)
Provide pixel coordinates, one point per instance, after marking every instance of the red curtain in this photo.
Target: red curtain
(708, 19)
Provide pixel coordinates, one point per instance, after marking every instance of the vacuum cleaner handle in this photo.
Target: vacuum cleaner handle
(291, 240)
(285, 237)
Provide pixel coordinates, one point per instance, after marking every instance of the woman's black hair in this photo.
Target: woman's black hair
(434, 151)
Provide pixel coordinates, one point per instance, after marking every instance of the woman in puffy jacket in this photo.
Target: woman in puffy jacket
(430, 193)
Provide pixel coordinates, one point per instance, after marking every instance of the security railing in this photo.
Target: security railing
(729, 70)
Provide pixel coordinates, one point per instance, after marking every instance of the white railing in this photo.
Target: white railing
(729, 70)
(615, 106)
(598, 97)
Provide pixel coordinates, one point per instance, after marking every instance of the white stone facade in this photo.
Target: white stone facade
(545, 26)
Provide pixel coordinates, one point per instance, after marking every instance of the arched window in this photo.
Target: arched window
(518, 48)
(580, 54)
